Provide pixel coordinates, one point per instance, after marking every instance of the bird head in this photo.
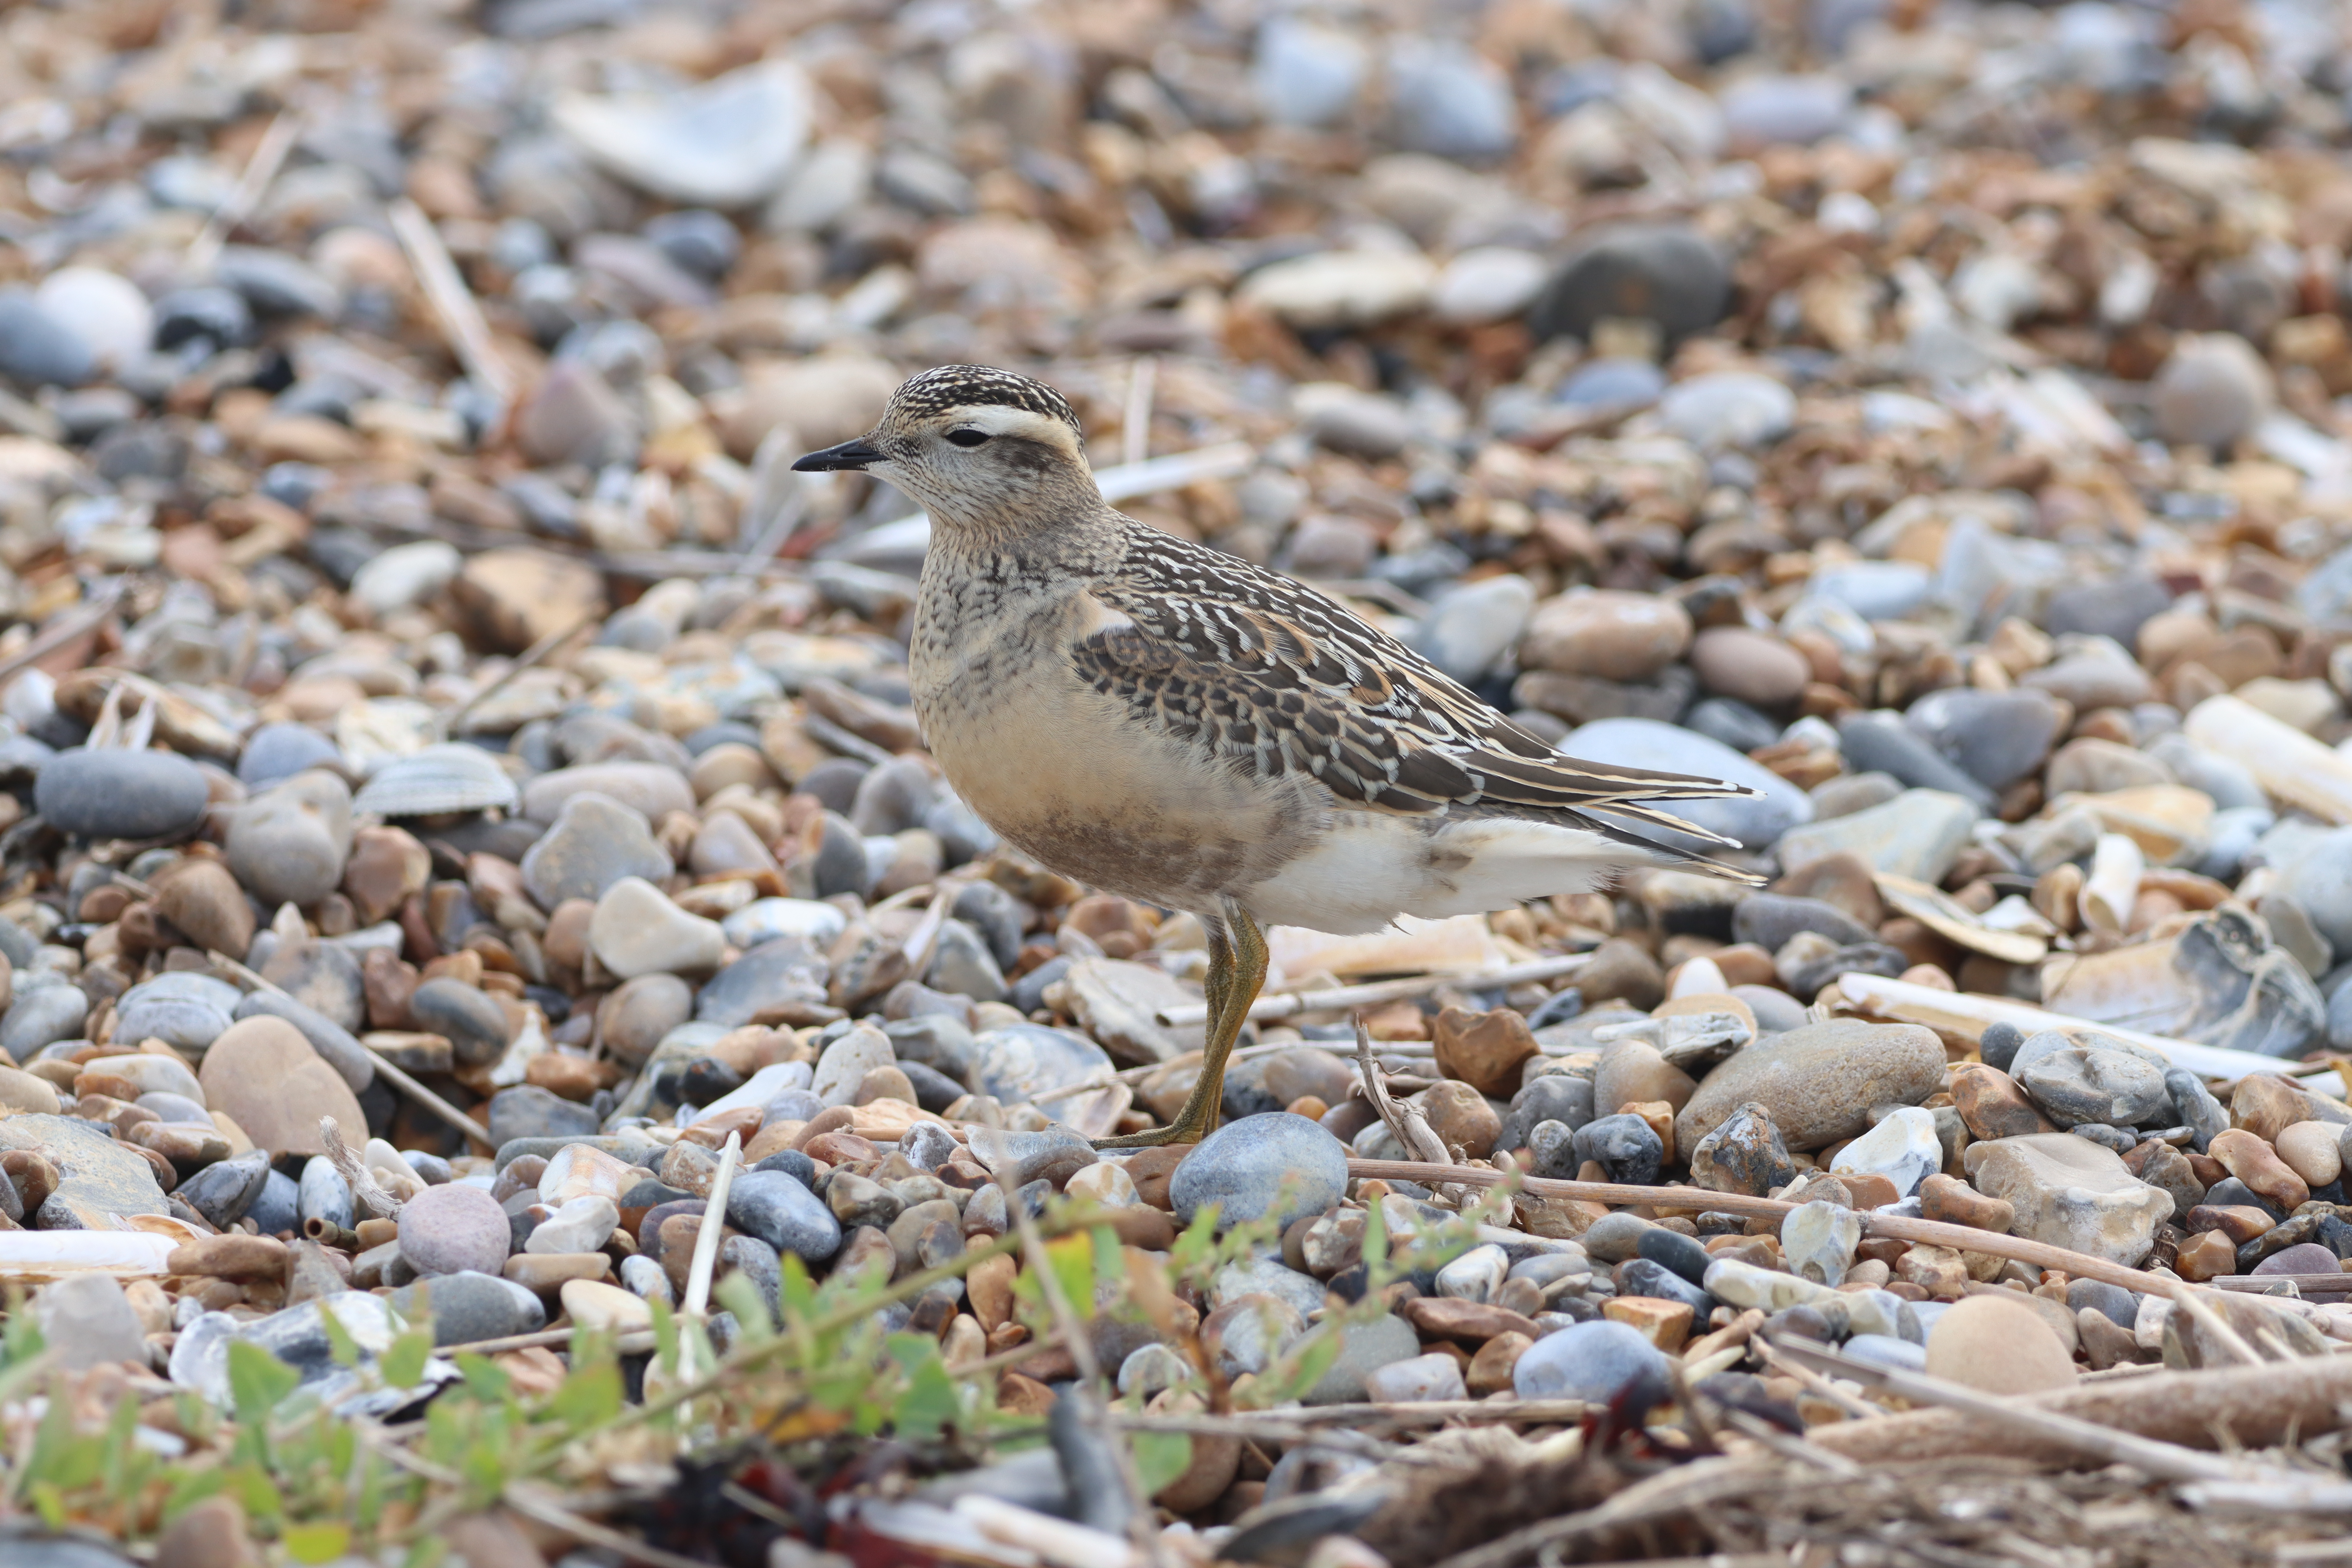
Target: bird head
(977, 447)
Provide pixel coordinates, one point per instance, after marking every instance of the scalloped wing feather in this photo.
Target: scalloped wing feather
(1279, 681)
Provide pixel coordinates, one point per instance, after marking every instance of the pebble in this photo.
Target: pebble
(2070, 1193)
(1903, 1147)
(1587, 1360)
(1819, 1083)
(117, 794)
(593, 842)
(1998, 1345)
(1278, 1166)
(638, 931)
(466, 1306)
(781, 1211)
(454, 1228)
(272, 1082)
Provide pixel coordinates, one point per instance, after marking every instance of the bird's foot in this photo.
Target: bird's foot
(1183, 1129)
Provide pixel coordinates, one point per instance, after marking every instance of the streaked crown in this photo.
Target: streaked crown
(952, 388)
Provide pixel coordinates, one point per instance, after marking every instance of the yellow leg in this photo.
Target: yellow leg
(1236, 971)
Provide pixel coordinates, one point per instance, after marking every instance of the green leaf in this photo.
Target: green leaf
(740, 1296)
(665, 1335)
(48, 1503)
(928, 1401)
(316, 1542)
(256, 1491)
(1073, 1260)
(430, 1551)
(485, 1379)
(1160, 1457)
(796, 1293)
(258, 1382)
(1301, 1367)
(403, 1365)
(590, 1396)
(344, 1349)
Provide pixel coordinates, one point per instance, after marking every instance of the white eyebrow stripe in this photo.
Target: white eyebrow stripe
(1000, 420)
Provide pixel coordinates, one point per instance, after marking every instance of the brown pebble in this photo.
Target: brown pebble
(1491, 1368)
(1954, 1202)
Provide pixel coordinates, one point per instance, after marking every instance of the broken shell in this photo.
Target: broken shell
(439, 779)
(1954, 921)
(2114, 883)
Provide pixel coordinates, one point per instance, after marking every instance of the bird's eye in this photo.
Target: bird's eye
(967, 437)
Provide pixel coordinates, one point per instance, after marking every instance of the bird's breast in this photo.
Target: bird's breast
(1072, 778)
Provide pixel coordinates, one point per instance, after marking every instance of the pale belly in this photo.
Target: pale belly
(1069, 781)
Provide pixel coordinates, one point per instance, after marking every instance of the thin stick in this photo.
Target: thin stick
(64, 628)
(1290, 1003)
(1875, 1222)
(399, 1080)
(1859, 1408)
(455, 1119)
(532, 1503)
(1428, 1413)
(529, 658)
(1135, 422)
(546, 1339)
(2166, 1461)
(452, 302)
(269, 155)
(714, 1220)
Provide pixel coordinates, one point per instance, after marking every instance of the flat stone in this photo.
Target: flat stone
(273, 1083)
(1590, 1362)
(2081, 1083)
(1918, 834)
(42, 1016)
(452, 1228)
(1666, 273)
(1364, 1348)
(773, 974)
(777, 1208)
(844, 1063)
(1416, 1379)
(99, 1178)
(1778, 808)
(1115, 1001)
(1485, 1050)
(469, 1018)
(595, 841)
(201, 897)
(2071, 1192)
(1279, 1166)
(1993, 1105)
(87, 1321)
(1615, 635)
(1819, 1083)
(1818, 1241)
(605, 1309)
(637, 929)
(469, 1306)
(324, 976)
(117, 794)
(652, 790)
(1744, 1153)
(2256, 1164)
